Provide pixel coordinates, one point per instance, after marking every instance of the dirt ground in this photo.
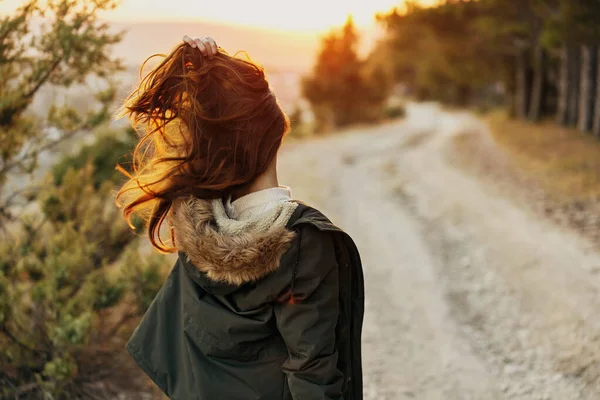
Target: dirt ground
(469, 294)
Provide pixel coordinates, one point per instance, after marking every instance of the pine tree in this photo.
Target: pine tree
(443, 52)
(340, 89)
(544, 51)
(584, 15)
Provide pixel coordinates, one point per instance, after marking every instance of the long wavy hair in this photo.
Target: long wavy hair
(207, 127)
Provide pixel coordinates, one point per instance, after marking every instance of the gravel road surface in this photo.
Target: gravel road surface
(469, 296)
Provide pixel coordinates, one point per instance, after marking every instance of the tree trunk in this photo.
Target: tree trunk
(568, 86)
(588, 88)
(463, 95)
(521, 92)
(509, 82)
(562, 114)
(596, 124)
(573, 85)
(538, 84)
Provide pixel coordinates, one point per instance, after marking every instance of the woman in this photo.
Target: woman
(265, 300)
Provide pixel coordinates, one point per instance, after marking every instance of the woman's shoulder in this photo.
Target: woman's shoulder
(307, 218)
(306, 214)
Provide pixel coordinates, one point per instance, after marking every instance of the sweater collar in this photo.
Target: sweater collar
(256, 203)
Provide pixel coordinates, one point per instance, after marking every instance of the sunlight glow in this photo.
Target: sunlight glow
(299, 16)
(305, 15)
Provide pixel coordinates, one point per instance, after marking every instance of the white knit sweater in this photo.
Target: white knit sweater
(257, 212)
(256, 204)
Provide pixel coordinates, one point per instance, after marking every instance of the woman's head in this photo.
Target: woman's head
(207, 127)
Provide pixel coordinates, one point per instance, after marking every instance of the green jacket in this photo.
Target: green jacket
(271, 316)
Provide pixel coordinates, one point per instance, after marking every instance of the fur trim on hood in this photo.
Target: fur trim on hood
(228, 250)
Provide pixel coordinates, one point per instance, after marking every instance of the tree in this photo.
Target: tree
(65, 49)
(441, 51)
(560, 34)
(568, 85)
(584, 16)
(573, 29)
(513, 29)
(545, 52)
(596, 116)
(71, 274)
(340, 90)
(587, 91)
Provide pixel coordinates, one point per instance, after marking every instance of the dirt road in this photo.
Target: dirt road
(469, 296)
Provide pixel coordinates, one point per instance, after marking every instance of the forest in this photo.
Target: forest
(537, 58)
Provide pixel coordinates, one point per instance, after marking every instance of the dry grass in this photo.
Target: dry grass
(553, 171)
(565, 162)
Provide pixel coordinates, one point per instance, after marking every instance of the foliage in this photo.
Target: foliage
(395, 111)
(71, 272)
(56, 42)
(341, 89)
(110, 148)
(299, 126)
(469, 52)
(572, 21)
(58, 276)
(440, 50)
(296, 117)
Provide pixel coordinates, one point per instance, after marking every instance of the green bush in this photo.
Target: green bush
(108, 150)
(67, 267)
(65, 289)
(396, 111)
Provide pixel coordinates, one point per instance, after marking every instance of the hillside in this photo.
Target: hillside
(276, 50)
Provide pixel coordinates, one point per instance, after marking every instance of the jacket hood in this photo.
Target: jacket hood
(226, 250)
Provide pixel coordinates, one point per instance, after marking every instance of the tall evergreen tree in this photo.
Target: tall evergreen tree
(544, 51)
(584, 16)
(443, 52)
(340, 89)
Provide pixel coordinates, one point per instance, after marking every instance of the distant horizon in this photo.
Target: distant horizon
(274, 49)
(234, 25)
(305, 18)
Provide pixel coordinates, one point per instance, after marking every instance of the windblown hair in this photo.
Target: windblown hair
(207, 127)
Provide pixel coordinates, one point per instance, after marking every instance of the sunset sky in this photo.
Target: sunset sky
(299, 15)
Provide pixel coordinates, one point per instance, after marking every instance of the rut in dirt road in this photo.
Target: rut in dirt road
(468, 296)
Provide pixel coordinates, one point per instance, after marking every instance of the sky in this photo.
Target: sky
(309, 16)
(296, 15)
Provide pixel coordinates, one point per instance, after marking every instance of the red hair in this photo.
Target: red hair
(207, 127)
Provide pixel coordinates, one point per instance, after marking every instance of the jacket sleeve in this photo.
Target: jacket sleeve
(307, 321)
